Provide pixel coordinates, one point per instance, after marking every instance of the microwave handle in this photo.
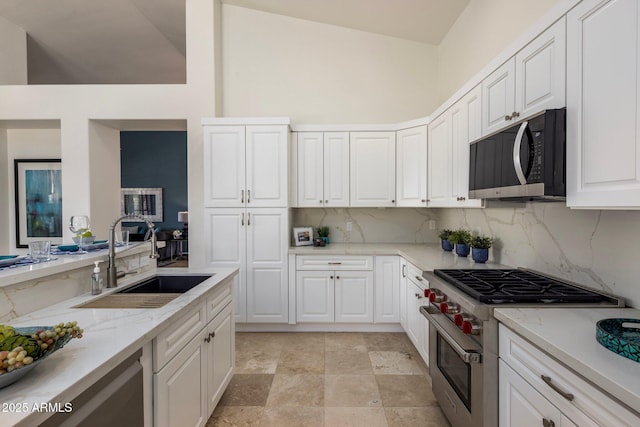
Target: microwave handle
(517, 164)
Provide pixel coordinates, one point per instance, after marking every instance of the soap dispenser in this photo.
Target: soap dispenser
(96, 279)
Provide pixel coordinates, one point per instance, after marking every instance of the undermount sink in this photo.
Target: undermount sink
(151, 293)
(165, 285)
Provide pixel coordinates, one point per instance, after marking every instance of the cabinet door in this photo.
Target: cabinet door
(225, 231)
(439, 159)
(336, 169)
(466, 119)
(387, 289)
(411, 163)
(522, 406)
(180, 388)
(354, 296)
(540, 72)
(373, 169)
(498, 98)
(603, 118)
(267, 167)
(403, 293)
(220, 356)
(267, 285)
(224, 166)
(414, 323)
(315, 296)
(310, 169)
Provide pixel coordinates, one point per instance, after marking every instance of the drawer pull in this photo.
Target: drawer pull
(548, 423)
(334, 263)
(564, 394)
(419, 279)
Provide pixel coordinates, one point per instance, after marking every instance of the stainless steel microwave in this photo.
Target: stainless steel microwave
(523, 162)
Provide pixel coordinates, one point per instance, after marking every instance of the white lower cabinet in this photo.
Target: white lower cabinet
(536, 390)
(256, 242)
(189, 379)
(387, 289)
(417, 325)
(403, 293)
(334, 296)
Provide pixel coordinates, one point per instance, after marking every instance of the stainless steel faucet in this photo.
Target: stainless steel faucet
(112, 272)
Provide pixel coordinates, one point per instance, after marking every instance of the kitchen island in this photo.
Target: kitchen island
(110, 337)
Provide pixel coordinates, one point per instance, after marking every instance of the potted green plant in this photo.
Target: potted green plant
(480, 248)
(447, 246)
(323, 233)
(461, 239)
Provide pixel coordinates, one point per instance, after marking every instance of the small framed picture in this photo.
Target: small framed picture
(303, 236)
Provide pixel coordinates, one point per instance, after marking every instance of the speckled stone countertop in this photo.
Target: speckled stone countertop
(424, 256)
(569, 335)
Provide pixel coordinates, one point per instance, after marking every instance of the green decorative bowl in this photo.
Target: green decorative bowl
(13, 376)
(622, 336)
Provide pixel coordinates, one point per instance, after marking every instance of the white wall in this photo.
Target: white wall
(5, 208)
(595, 248)
(276, 65)
(13, 54)
(482, 31)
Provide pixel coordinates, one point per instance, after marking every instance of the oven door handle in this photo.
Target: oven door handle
(467, 356)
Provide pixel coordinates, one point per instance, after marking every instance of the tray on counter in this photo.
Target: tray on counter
(622, 336)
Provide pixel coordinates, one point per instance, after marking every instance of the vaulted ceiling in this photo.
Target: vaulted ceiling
(143, 41)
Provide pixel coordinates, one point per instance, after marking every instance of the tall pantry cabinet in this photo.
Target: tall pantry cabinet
(246, 215)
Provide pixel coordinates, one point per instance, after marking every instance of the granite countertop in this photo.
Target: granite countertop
(62, 263)
(575, 345)
(424, 256)
(110, 336)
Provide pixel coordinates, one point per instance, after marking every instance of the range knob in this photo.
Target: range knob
(449, 307)
(459, 319)
(436, 296)
(427, 292)
(470, 327)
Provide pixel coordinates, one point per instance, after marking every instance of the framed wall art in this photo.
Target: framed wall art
(144, 202)
(38, 196)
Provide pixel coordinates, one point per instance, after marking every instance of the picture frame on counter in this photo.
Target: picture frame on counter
(38, 196)
(303, 236)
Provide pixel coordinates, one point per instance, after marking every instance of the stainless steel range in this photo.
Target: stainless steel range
(463, 333)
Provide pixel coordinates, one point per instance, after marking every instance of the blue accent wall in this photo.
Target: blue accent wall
(157, 159)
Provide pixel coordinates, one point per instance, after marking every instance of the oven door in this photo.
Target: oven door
(455, 369)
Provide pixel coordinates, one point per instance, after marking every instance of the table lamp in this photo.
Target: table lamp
(183, 216)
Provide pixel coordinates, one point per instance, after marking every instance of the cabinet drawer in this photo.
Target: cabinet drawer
(334, 263)
(218, 299)
(531, 363)
(170, 341)
(415, 275)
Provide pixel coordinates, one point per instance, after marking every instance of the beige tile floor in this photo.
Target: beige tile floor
(328, 379)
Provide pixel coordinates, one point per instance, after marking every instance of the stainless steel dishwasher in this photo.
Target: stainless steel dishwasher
(114, 400)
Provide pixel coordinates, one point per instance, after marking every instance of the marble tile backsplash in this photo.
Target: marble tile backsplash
(371, 225)
(596, 248)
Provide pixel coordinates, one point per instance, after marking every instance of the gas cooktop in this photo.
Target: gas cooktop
(516, 286)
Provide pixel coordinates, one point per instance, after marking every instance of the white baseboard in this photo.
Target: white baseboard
(319, 327)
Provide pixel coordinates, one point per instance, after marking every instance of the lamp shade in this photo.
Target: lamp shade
(183, 216)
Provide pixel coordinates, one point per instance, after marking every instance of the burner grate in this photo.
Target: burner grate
(516, 286)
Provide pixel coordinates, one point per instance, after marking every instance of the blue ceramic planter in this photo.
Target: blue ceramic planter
(326, 240)
(447, 246)
(462, 249)
(480, 255)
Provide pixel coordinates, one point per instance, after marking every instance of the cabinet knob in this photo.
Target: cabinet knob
(419, 279)
(393, 201)
(515, 115)
(326, 201)
(212, 334)
(330, 277)
(338, 277)
(424, 200)
(507, 117)
(320, 201)
(207, 339)
(548, 423)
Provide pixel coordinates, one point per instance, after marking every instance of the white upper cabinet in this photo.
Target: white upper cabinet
(323, 169)
(373, 169)
(603, 118)
(448, 156)
(245, 166)
(531, 81)
(411, 164)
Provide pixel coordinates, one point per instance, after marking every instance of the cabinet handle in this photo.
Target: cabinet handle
(334, 263)
(212, 335)
(241, 196)
(562, 393)
(248, 196)
(207, 339)
(249, 218)
(515, 115)
(242, 220)
(507, 118)
(419, 279)
(404, 271)
(548, 423)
